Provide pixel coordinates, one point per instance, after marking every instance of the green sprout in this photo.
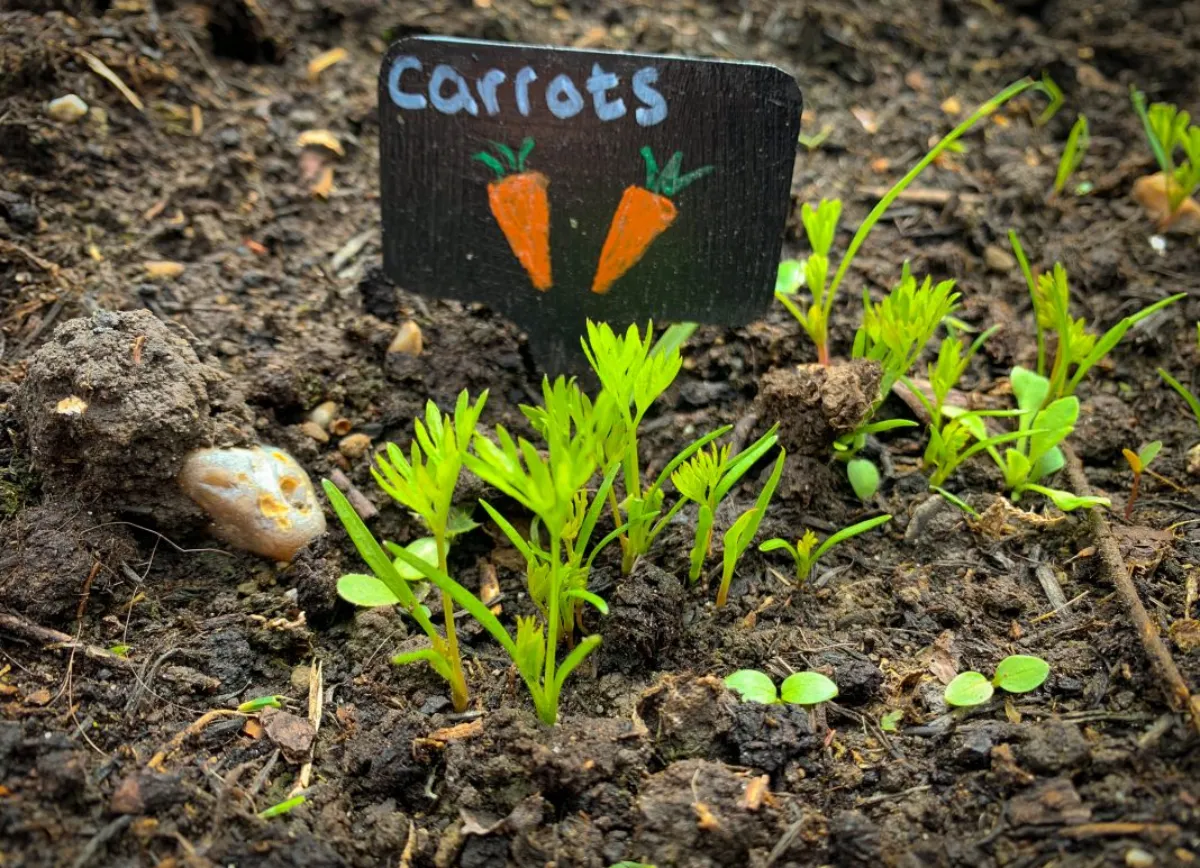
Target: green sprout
(1073, 153)
(1019, 673)
(821, 223)
(282, 808)
(863, 475)
(1169, 130)
(424, 482)
(1139, 463)
(706, 478)
(1184, 392)
(252, 706)
(806, 552)
(741, 533)
(890, 722)
(799, 688)
(1077, 349)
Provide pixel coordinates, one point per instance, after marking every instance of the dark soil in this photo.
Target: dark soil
(111, 760)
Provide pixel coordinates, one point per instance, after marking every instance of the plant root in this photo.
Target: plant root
(1114, 568)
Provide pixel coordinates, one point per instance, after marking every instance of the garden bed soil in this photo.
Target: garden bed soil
(128, 760)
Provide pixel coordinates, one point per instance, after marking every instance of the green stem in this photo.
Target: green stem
(458, 681)
(878, 211)
(550, 712)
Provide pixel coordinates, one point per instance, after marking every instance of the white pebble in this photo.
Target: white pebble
(67, 109)
(259, 499)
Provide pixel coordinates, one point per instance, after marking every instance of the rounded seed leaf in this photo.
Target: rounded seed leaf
(968, 688)
(807, 688)
(754, 686)
(1021, 673)
(365, 591)
(864, 478)
(424, 548)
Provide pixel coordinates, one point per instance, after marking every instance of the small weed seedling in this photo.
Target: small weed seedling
(1073, 153)
(820, 224)
(424, 482)
(706, 478)
(1169, 130)
(1019, 673)
(1036, 455)
(1184, 392)
(741, 533)
(806, 552)
(799, 688)
(1139, 463)
(1077, 349)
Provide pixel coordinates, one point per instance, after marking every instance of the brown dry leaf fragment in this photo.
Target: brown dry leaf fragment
(324, 185)
(756, 791)
(252, 728)
(1010, 711)
(39, 697)
(163, 269)
(942, 663)
(320, 139)
(323, 61)
(72, 405)
(154, 210)
(489, 585)
(197, 120)
(138, 343)
(705, 818)
(408, 340)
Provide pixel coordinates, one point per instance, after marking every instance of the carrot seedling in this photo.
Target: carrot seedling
(741, 534)
(424, 482)
(806, 552)
(1169, 130)
(820, 225)
(1073, 153)
(282, 808)
(521, 206)
(824, 219)
(799, 688)
(706, 478)
(1077, 349)
(1139, 463)
(1019, 673)
(642, 215)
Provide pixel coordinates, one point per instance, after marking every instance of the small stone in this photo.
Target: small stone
(229, 137)
(259, 499)
(294, 735)
(1136, 857)
(315, 431)
(408, 340)
(998, 259)
(322, 414)
(1151, 193)
(67, 109)
(1193, 460)
(355, 445)
(71, 406)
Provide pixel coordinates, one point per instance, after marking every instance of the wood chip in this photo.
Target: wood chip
(163, 269)
(323, 61)
(458, 732)
(756, 792)
(320, 139)
(324, 185)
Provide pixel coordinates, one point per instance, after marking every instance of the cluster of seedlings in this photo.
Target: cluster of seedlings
(587, 473)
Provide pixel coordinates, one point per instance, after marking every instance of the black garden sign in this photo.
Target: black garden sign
(557, 185)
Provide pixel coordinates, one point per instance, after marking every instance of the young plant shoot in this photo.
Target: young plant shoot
(706, 478)
(1073, 154)
(799, 688)
(1019, 673)
(806, 552)
(741, 533)
(1169, 131)
(424, 482)
(1077, 349)
(551, 484)
(1183, 391)
(1139, 463)
(820, 225)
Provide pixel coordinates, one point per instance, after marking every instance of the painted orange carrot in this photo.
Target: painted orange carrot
(522, 209)
(642, 215)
